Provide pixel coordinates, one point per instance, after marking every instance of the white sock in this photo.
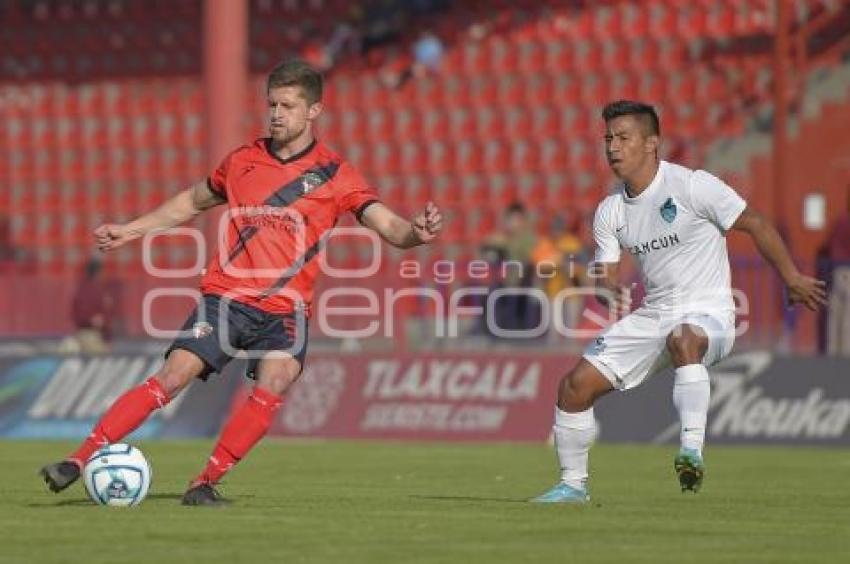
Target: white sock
(574, 433)
(691, 394)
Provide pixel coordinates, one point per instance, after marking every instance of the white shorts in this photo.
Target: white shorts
(635, 347)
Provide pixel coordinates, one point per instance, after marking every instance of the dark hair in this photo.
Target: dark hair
(515, 207)
(93, 267)
(644, 112)
(295, 72)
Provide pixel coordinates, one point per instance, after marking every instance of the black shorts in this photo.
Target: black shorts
(218, 329)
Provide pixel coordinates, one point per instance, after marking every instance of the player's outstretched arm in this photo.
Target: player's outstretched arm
(175, 211)
(399, 232)
(802, 289)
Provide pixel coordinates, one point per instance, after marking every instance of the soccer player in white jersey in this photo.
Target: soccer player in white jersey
(673, 222)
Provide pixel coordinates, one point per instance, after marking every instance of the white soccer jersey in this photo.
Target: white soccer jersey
(675, 230)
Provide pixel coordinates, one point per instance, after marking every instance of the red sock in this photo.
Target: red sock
(246, 426)
(123, 417)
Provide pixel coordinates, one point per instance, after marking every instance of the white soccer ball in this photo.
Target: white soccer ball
(117, 475)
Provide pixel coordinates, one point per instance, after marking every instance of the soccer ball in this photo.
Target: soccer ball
(117, 475)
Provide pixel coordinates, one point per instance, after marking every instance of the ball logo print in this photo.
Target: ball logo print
(117, 475)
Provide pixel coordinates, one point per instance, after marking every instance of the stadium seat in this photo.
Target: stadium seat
(126, 109)
(436, 123)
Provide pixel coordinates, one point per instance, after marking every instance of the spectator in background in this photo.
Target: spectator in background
(317, 55)
(427, 54)
(92, 312)
(395, 68)
(346, 39)
(838, 315)
(422, 59)
(383, 24)
(9, 252)
(511, 251)
(560, 259)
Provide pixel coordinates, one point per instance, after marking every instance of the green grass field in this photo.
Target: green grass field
(370, 502)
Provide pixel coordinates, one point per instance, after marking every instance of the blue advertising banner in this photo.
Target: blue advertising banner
(62, 397)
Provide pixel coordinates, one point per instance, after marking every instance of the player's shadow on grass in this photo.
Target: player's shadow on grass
(470, 498)
(174, 496)
(63, 503)
(78, 501)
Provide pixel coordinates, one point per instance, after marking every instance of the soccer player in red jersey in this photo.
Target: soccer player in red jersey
(284, 194)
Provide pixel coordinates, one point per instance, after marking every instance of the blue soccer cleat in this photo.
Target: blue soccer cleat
(562, 493)
(690, 469)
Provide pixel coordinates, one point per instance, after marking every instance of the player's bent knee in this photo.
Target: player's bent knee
(686, 347)
(572, 395)
(277, 377)
(581, 387)
(179, 370)
(174, 382)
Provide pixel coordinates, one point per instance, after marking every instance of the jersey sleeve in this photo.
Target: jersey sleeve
(357, 194)
(217, 180)
(715, 200)
(605, 235)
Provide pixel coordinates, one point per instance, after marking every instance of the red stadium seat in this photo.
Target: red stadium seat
(475, 58)
(545, 121)
(514, 114)
(560, 57)
(608, 22)
(462, 122)
(469, 156)
(436, 124)
(489, 123)
(532, 57)
(408, 124)
(615, 54)
(414, 157)
(624, 85)
(685, 86)
(721, 20)
(497, 156)
(539, 89)
(567, 91)
(635, 19)
(582, 27)
(503, 55)
(386, 158)
(692, 21)
(380, 125)
(653, 87)
(589, 56)
(662, 19)
(483, 90)
(511, 90)
(441, 157)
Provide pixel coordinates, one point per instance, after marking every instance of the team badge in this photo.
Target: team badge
(310, 181)
(599, 345)
(201, 329)
(668, 211)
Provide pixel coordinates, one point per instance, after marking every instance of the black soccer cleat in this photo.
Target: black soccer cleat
(203, 494)
(60, 475)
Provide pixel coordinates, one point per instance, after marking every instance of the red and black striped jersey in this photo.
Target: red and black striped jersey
(279, 216)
